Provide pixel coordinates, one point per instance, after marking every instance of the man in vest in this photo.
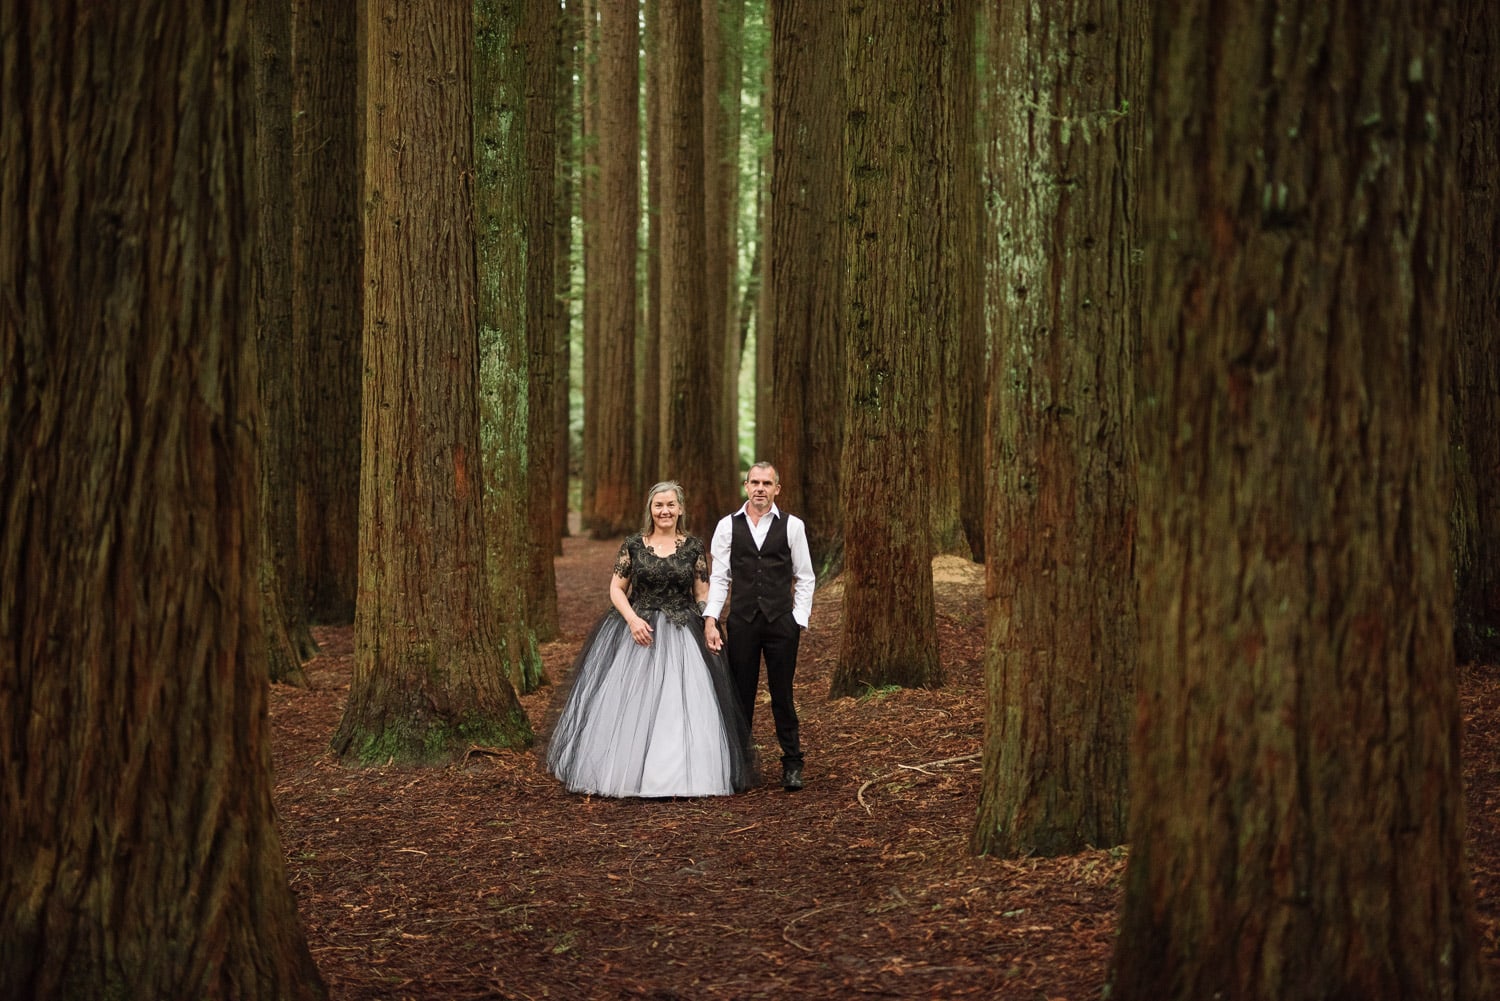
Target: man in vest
(763, 552)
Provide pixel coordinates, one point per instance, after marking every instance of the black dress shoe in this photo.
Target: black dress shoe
(791, 778)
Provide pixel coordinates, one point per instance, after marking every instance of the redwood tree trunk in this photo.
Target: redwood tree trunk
(289, 639)
(543, 307)
(428, 679)
(139, 856)
(689, 384)
(801, 336)
(1476, 388)
(326, 300)
(1297, 821)
(1060, 581)
(892, 299)
(610, 410)
(504, 355)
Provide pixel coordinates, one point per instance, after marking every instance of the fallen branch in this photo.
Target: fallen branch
(860, 794)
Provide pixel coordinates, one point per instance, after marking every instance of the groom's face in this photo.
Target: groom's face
(761, 489)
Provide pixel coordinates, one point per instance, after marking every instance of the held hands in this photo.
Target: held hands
(711, 637)
(640, 631)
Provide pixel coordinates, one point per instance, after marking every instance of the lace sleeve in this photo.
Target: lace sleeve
(700, 560)
(622, 561)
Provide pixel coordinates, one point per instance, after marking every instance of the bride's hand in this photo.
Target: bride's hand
(640, 631)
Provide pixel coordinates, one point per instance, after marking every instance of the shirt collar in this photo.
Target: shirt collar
(775, 511)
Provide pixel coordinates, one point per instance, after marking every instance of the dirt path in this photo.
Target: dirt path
(488, 880)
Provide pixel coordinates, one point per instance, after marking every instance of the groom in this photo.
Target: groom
(763, 552)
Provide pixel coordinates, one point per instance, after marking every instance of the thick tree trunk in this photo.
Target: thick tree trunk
(504, 355)
(610, 412)
(326, 300)
(289, 640)
(652, 470)
(801, 336)
(1297, 821)
(892, 297)
(723, 26)
(592, 232)
(689, 445)
(570, 115)
(1060, 582)
(139, 856)
(1476, 383)
(543, 306)
(966, 354)
(429, 681)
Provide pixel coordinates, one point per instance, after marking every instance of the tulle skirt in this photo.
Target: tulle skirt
(650, 721)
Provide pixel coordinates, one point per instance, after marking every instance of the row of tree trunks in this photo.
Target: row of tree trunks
(1060, 570)
(1296, 821)
(429, 679)
(139, 856)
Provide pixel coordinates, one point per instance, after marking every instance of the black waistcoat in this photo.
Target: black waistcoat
(761, 579)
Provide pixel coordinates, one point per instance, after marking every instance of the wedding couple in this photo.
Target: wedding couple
(663, 692)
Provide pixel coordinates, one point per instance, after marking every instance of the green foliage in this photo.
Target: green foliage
(434, 741)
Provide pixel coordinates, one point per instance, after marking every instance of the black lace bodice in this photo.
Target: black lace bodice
(664, 583)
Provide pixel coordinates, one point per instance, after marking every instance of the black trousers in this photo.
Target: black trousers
(777, 639)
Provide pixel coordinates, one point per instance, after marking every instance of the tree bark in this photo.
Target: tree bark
(501, 180)
(326, 300)
(1297, 820)
(429, 682)
(1476, 378)
(139, 856)
(689, 445)
(800, 341)
(892, 298)
(289, 640)
(1060, 585)
(542, 23)
(649, 381)
(610, 412)
(570, 97)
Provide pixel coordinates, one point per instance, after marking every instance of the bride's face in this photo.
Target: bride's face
(664, 511)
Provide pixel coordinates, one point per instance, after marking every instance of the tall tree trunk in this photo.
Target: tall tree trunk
(801, 335)
(966, 355)
(723, 28)
(610, 412)
(892, 299)
(326, 300)
(505, 376)
(137, 831)
(570, 98)
(542, 114)
(956, 209)
(652, 470)
(1476, 383)
(1297, 821)
(689, 444)
(429, 682)
(289, 640)
(1060, 582)
(589, 210)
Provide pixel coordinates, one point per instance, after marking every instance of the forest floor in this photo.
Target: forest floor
(488, 880)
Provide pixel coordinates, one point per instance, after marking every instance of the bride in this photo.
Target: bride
(650, 711)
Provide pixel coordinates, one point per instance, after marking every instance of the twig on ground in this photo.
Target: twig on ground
(860, 794)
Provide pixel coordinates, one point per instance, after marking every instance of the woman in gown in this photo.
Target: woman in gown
(650, 712)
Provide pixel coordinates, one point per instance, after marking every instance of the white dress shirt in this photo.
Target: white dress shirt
(803, 578)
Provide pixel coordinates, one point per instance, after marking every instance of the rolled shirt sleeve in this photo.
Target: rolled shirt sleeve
(803, 578)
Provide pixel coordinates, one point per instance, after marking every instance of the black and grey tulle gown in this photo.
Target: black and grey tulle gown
(657, 720)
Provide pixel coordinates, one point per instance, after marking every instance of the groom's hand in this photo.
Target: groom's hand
(711, 636)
